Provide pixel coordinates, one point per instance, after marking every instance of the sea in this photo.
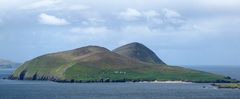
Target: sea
(14, 89)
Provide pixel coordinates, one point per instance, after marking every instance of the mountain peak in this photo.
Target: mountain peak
(135, 43)
(138, 51)
(92, 49)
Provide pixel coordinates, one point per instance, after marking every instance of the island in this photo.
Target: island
(6, 64)
(228, 85)
(132, 62)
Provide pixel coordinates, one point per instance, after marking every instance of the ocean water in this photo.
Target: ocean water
(5, 72)
(51, 90)
(13, 89)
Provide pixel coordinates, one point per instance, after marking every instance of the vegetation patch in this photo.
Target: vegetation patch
(230, 85)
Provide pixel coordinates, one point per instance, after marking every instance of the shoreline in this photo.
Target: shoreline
(166, 82)
(119, 80)
(154, 82)
(216, 85)
(227, 85)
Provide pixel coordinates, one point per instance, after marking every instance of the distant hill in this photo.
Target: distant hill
(132, 62)
(6, 64)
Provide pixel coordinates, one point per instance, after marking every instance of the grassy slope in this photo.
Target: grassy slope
(43, 66)
(62, 69)
(162, 73)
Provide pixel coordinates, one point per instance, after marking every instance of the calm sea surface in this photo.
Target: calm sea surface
(11, 89)
(5, 72)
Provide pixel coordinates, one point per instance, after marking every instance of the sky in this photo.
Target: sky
(180, 32)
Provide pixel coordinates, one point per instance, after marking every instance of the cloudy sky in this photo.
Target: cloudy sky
(186, 32)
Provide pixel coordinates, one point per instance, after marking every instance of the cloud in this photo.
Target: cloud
(151, 13)
(42, 3)
(173, 17)
(6, 5)
(93, 21)
(54, 5)
(216, 3)
(84, 34)
(51, 20)
(170, 20)
(130, 14)
(78, 7)
(174, 26)
(163, 19)
(91, 30)
(170, 13)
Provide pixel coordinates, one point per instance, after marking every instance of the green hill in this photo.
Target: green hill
(139, 52)
(98, 64)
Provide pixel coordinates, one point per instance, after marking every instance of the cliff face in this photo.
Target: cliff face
(132, 62)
